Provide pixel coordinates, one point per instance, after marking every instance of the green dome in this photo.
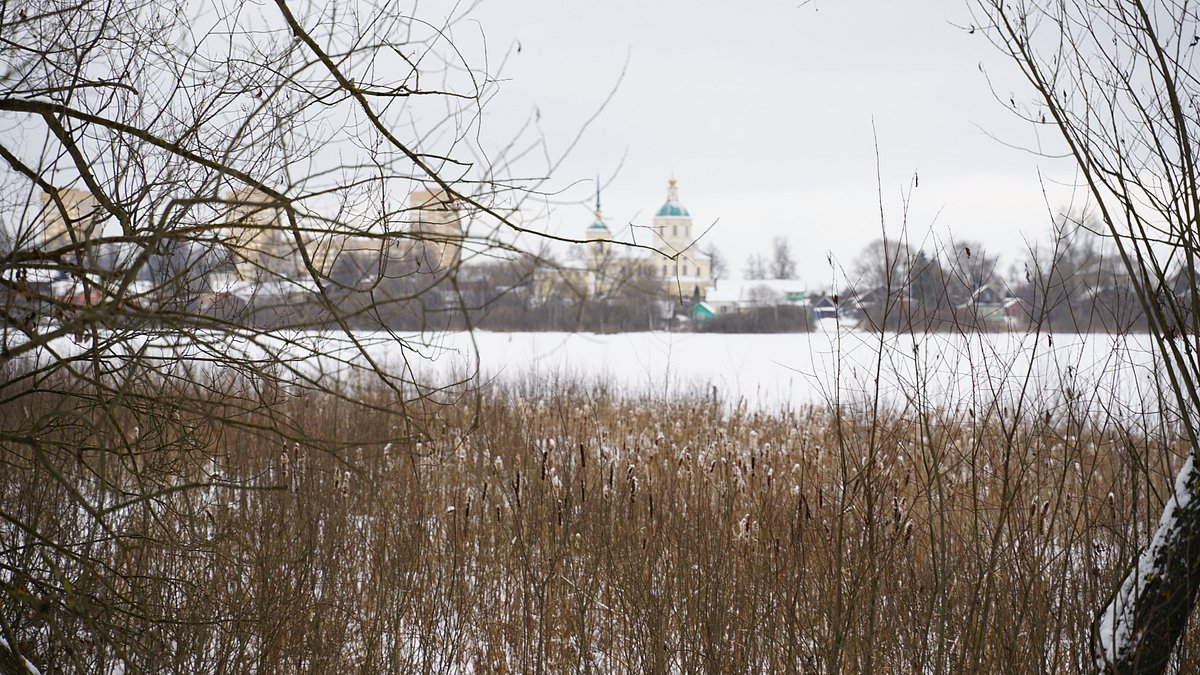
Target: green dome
(597, 226)
(672, 210)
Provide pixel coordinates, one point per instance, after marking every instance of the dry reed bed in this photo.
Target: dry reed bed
(575, 530)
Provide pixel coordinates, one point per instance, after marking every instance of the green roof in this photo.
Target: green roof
(598, 226)
(672, 210)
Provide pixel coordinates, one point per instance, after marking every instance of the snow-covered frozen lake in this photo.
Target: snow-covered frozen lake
(773, 371)
(1103, 373)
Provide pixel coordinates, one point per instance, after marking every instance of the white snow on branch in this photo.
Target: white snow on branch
(32, 669)
(1117, 634)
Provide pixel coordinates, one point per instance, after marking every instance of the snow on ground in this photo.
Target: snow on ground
(1095, 372)
(773, 371)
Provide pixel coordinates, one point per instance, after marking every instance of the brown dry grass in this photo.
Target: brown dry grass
(574, 530)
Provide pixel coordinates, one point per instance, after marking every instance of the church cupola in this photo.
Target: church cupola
(673, 223)
(672, 208)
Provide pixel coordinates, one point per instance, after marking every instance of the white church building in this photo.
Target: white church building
(677, 267)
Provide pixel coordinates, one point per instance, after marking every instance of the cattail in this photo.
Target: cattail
(299, 469)
(741, 531)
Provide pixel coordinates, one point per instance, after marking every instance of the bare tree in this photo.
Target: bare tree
(877, 280)
(756, 267)
(1117, 81)
(783, 265)
(200, 201)
(896, 288)
(971, 265)
(883, 263)
(718, 265)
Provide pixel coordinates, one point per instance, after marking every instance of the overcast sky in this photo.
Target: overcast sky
(763, 111)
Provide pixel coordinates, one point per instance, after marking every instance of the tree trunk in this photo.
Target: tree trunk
(1137, 631)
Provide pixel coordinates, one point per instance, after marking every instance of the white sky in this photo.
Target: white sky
(763, 111)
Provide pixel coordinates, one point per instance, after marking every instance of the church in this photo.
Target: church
(680, 270)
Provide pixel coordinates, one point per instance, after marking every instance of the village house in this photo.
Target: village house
(995, 305)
